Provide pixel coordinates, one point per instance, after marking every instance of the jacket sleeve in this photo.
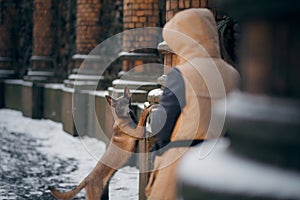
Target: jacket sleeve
(168, 110)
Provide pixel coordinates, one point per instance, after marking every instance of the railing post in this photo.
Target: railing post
(145, 165)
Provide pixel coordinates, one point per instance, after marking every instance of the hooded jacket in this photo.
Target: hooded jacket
(200, 79)
(192, 90)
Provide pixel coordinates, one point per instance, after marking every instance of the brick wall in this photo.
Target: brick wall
(140, 14)
(7, 32)
(44, 34)
(65, 35)
(53, 37)
(174, 6)
(24, 36)
(88, 30)
(43, 30)
(96, 21)
(111, 18)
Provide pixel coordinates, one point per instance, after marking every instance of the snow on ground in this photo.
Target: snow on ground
(57, 143)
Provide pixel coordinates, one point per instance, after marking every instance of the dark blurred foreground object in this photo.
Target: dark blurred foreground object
(263, 119)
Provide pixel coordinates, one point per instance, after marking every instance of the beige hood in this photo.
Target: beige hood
(188, 29)
(192, 35)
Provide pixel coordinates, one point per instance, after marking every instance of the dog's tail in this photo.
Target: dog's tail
(70, 194)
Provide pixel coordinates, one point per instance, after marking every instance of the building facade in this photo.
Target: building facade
(44, 43)
(48, 68)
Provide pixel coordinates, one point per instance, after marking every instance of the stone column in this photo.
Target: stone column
(88, 33)
(139, 14)
(43, 64)
(8, 33)
(96, 21)
(43, 67)
(8, 13)
(263, 118)
(138, 52)
(88, 29)
(270, 85)
(137, 58)
(91, 30)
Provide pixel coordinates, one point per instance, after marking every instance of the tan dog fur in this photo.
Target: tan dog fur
(118, 152)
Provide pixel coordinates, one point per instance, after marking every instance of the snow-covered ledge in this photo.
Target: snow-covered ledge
(223, 173)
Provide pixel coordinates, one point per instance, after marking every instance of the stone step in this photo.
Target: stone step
(134, 85)
(137, 95)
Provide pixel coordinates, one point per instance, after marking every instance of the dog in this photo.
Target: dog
(125, 135)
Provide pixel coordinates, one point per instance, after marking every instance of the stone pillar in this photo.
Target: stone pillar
(96, 21)
(42, 68)
(88, 32)
(8, 13)
(139, 14)
(88, 29)
(8, 33)
(137, 58)
(43, 64)
(263, 118)
(138, 53)
(91, 29)
(270, 86)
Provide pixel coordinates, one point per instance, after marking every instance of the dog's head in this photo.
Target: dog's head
(121, 105)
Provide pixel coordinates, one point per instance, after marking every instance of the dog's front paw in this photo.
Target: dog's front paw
(147, 110)
(144, 115)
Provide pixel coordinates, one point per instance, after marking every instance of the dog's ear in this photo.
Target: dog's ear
(110, 100)
(127, 92)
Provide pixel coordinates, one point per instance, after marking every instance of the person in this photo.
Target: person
(182, 118)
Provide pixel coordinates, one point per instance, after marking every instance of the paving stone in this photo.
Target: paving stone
(26, 173)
